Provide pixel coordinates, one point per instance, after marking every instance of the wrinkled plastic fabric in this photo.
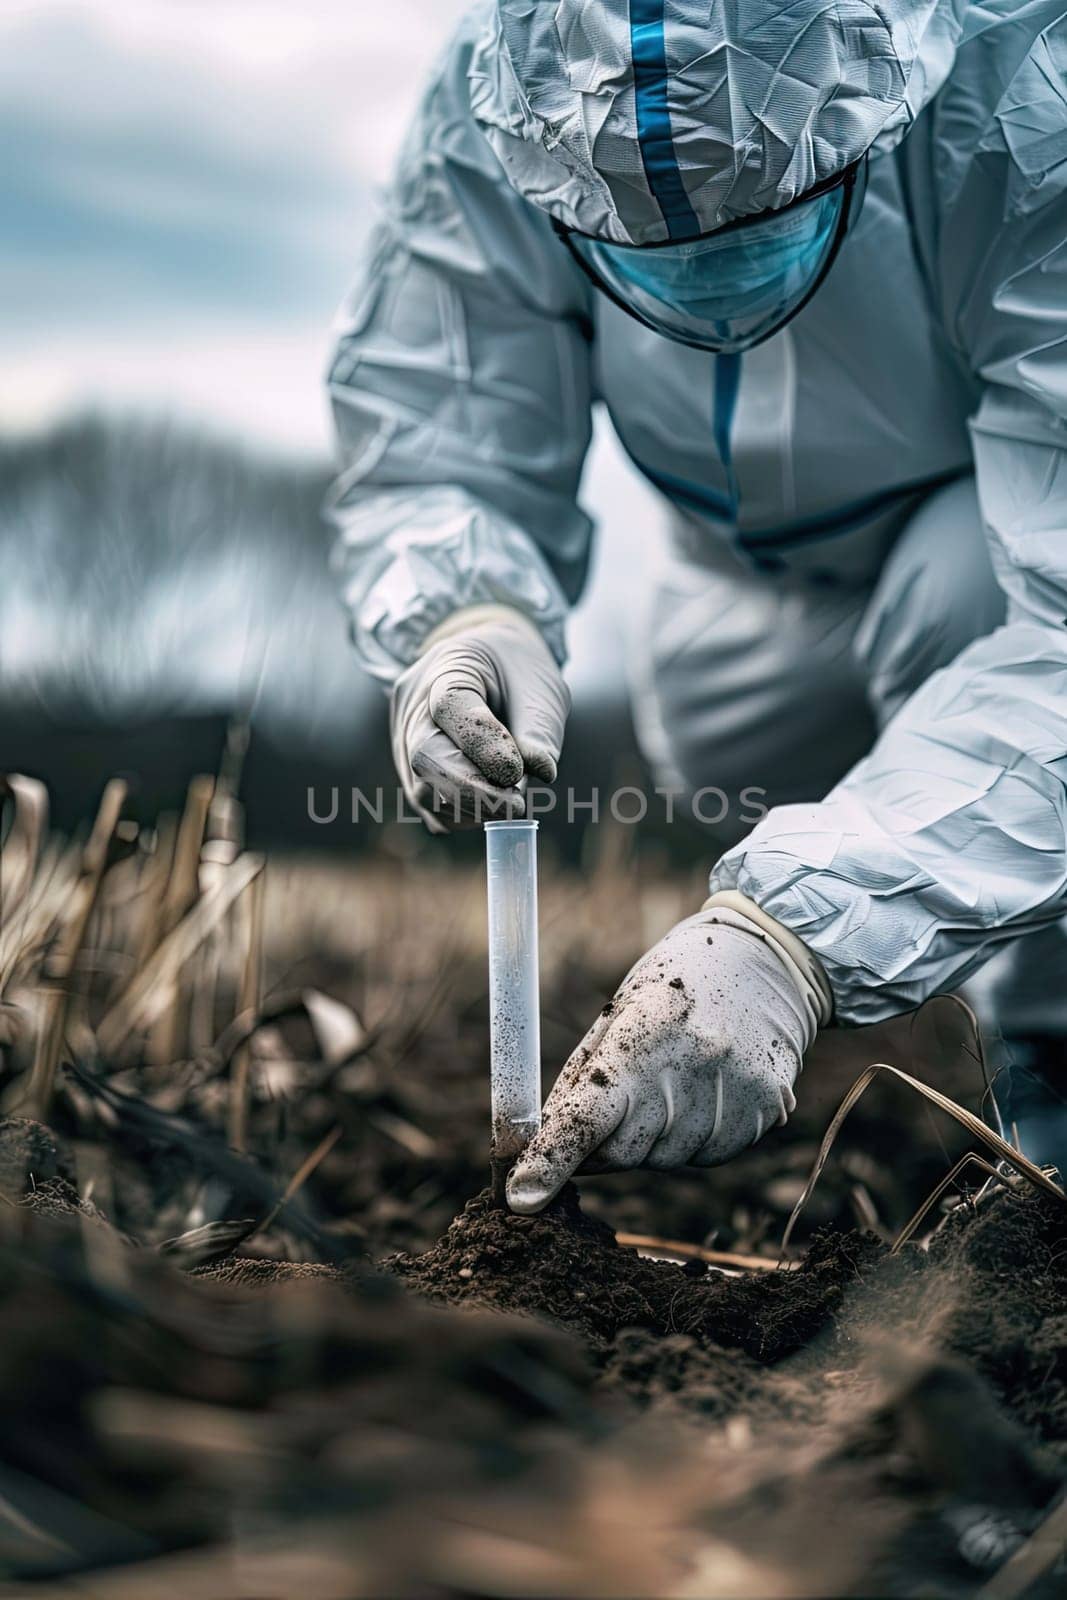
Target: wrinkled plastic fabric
(755, 104)
(951, 836)
(461, 394)
(462, 385)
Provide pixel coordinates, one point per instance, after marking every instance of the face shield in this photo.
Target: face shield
(731, 289)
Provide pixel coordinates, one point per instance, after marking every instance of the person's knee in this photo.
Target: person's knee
(936, 593)
(749, 698)
(704, 739)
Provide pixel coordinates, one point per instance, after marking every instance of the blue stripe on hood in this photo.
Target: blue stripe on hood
(649, 49)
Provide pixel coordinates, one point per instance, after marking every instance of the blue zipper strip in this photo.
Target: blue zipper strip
(649, 49)
(727, 387)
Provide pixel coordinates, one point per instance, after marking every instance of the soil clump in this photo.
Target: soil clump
(568, 1267)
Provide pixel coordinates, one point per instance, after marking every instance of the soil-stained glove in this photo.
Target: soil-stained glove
(483, 706)
(693, 1060)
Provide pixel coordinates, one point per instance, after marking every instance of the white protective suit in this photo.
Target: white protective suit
(933, 354)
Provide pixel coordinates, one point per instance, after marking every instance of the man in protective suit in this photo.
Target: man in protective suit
(813, 260)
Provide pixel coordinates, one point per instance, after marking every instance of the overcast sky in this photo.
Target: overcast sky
(185, 188)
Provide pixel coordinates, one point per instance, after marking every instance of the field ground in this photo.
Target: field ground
(263, 1333)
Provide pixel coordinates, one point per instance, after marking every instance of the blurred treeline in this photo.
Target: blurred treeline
(158, 585)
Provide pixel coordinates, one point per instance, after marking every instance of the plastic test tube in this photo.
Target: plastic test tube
(514, 998)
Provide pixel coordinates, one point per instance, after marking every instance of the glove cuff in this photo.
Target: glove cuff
(471, 618)
(805, 967)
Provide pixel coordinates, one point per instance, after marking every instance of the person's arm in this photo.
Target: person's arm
(460, 387)
(951, 836)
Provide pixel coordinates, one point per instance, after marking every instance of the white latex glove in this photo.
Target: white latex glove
(483, 706)
(693, 1060)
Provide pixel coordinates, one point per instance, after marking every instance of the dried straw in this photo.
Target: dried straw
(967, 1119)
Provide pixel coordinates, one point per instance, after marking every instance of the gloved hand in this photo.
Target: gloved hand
(483, 705)
(693, 1060)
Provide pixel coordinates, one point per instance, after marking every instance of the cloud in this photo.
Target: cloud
(165, 159)
(188, 183)
(312, 69)
(184, 188)
(134, 188)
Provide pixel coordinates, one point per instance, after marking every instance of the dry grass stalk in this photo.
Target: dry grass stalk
(865, 1210)
(24, 936)
(249, 1000)
(970, 1159)
(302, 1174)
(309, 1164)
(223, 842)
(183, 882)
(1044, 1548)
(145, 998)
(967, 1119)
(179, 896)
(35, 878)
(25, 840)
(729, 1259)
(154, 880)
(403, 1133)
(58, 967)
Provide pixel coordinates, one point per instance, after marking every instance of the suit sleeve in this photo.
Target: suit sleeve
(460, 387)
(951, 836)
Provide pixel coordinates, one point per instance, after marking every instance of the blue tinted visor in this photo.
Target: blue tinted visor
(730, 289)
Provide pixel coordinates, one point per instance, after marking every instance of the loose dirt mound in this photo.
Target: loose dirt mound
(568, 1267)
(1006, 1269)
(147, 1411)
(865, 1424)
(569, 1418)
(656, 1328)
(912, 1404)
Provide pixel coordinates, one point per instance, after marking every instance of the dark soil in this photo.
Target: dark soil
(147, 1412)
(865, 1423)
(209, 1390)
(30, 1156)
(916, 1404)
(655, 1327)
(568, 1267)
(1007, 1321)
